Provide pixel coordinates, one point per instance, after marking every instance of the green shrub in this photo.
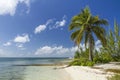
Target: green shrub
(77, 55)
(102, 58)
(115, 77)
(113, 70)
(116, 57)
(75, 62)
(89, 63)
(81, 62)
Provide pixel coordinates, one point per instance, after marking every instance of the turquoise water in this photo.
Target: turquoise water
(8, 70)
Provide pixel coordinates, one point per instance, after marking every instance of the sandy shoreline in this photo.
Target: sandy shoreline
(45, 73)
(88, 73)
(58, 72)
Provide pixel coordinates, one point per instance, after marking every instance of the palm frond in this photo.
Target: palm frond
(100, 34)
(101, 22)
(99, 29)
(74, 34)
(79, 36)
(74, 25)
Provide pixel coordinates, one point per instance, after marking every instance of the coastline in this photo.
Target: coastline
(85, 73)
(96, 72)
(45, 73)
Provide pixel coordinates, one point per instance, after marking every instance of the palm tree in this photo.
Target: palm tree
(85, 26)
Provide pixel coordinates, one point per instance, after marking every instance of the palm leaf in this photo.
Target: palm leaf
(101, 22)
(74, 25)
(100, 33)
(79, 36)
(74, 34)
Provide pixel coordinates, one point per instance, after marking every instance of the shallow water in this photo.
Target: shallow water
(10, 72)
(45, 73)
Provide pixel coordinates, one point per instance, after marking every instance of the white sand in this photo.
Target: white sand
(45, 73)
(111, 65)
(87, 73)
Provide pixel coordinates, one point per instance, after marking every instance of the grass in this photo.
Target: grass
(97, 67)
(117, 63)
(115, 77)
(113, 70)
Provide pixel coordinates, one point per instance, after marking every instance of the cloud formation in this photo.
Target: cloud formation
(7, 44)
(59, 24)
(10, 6)
(49, 51)
(19, 45)
(51, 24)
(52, 51)
(39, 29)
(22, 39)
(42, 27)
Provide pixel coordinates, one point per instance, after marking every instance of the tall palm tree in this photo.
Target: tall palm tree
(85, 26)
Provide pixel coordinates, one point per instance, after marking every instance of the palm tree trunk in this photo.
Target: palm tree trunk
(90, 54)
(90, 50)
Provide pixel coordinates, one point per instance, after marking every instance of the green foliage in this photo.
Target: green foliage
(113, 43)
(102, 58)
(75, 63)
(77, 55)
(115, 77)
(81, 62)
(81, 53)
(113, 70)
(84, 25)
(81, 58)
(89, 63)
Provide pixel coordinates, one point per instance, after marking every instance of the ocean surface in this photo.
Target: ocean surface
(9, 70)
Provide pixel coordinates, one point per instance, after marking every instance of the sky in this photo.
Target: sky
(39, 28)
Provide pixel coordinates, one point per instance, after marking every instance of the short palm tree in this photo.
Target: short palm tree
(85, 26)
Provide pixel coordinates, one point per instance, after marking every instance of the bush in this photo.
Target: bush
(77, 55)
(116, 57)
(75, 63)
(81, 62)
(115, 77)
(102, 58)
(89, 63)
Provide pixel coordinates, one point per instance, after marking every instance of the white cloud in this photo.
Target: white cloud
(10, 6)
(55, 51)
(7, 44)
(52, 51)
(19, 45)
(41, 28)
(22, 39)
(52, 24)
(59, 23)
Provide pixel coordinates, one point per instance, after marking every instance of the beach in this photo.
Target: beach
(51, 69)
(45, 73)
(96, 72)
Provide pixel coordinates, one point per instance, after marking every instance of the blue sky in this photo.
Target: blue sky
(39, 28)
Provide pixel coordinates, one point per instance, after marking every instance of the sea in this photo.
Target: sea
(15, 69)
